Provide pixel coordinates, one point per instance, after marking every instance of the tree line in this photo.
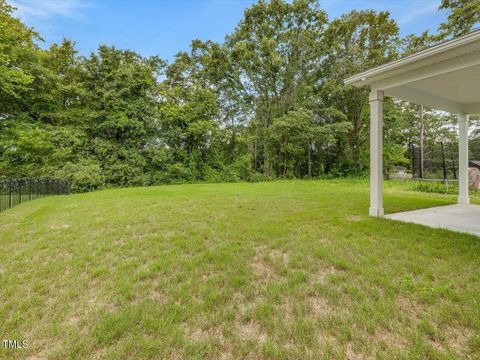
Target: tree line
(267, 102)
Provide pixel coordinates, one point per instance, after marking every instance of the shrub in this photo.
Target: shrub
(242, 167)
(84, 176)
(176, 173)
(436, 187)
(227, 174)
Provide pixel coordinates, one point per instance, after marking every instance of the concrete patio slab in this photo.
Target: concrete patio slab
(458, 217)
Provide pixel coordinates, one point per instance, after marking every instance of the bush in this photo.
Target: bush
(242, 167)
(84, 176)
(227, 174)
(125, 173)
(176, 173)
(436, 187)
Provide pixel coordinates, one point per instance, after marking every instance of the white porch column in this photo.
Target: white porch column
(463, 197)
(376, 154)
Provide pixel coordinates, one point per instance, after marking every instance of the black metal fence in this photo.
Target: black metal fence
(16, 191)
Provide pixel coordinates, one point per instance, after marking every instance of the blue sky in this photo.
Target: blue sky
(164, 27)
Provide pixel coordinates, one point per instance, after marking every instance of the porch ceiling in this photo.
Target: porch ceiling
(444, 77)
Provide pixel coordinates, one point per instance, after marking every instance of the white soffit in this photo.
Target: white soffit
(462, 86)
(456, 91)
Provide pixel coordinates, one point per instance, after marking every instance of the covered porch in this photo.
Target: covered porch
(444, 77)
(459, 217)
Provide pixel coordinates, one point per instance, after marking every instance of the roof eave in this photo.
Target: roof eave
(368, 77)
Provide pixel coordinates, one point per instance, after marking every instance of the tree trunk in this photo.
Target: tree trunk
(255, 159)
(412, 147)
(443, 161)
(432, 156)
(309, 159)
(233, 142)
(422, 131)
(454, 169)
(327, 161)
(266, 149)
(266, 160)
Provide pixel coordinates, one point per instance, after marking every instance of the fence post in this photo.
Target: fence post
(35, 187)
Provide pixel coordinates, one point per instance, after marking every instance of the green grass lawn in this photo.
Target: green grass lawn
(288, 269)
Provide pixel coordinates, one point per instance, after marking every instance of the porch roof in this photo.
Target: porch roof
(444, 77)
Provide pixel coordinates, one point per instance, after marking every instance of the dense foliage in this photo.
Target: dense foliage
(267, 102)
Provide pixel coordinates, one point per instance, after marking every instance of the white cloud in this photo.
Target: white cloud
(422, 9)
(44, 9)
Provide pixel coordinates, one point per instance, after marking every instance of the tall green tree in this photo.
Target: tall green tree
(49, 133)
(463, 16)
(413, 43)
(270, 99)
(275, 50)
(121, 93)
(306, 141)
(188, 111)
(356, 41)
(18, 52)
(216, 68)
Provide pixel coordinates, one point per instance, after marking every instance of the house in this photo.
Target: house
(444, 77)
(474, 164)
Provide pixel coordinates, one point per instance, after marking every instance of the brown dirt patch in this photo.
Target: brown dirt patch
(59, 226)
(198, 334)
(260, 266)
(158, 296)
(322, 274)
(408, 307)
(280, 256)
(391, 339)
(457, 338)
(251, 331)
(319, 307)
(352, 354)
(355, 218)
(73, 320)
